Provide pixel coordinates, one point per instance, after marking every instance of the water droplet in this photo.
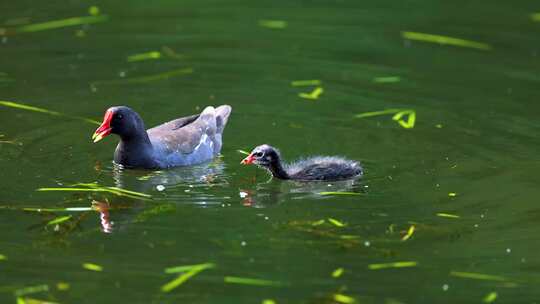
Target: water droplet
(508, 250)
(243, 243)
(367, 243)
(160, 187)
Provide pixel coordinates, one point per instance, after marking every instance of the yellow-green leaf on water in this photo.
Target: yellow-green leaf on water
(31, 289)
(338, 272)
(93, 10)
(268, 301)
(313, 94)
(92, 267)
(21, 106)
(59, 220)
(303, 83)
(91, 187)
(336, 222)
(378, 113)
(477, 276)
(392, 265)
(144, 56)
(448, 215)
(318, 223)
(387, 79)
(338, 193)
(243, 152)
(3, 257)
(49, 25)
(273, 24)
(181, 279)
(184, 268)
(341, 298)
(20, 300)
(445, 40)
(250, 281)
(452, 194)
(62, 286)
(408, 234)
(145, 79)
(411, 118)
(35, 301)
(490, 297)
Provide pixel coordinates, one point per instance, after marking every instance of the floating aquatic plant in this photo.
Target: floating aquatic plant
(338, 272)
(408, 234)
(445, 40)
(448, 215)
(387, 79)
(54, 24)
(92, 267)
(94, 187)
(313, 94)
(477, 276)
(144, 56)
(399, 116)
(392, 265)
(250, 281)
(273, 24)
(26, 107)
(59, 220)
(145, 79)
(303, 83)
(189, 272)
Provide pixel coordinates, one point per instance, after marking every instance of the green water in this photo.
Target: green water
(476, 135)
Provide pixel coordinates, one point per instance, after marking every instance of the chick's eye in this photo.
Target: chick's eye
(119, 116)
(258, 154)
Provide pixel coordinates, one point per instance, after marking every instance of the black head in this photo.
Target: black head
(263, 156)
(122, 121)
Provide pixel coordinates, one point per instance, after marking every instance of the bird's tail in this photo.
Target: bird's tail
(222, 116)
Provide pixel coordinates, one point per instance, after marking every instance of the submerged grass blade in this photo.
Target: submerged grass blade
(145, 79)
(93, 187)
(409, 233)
(181, 279)
(184, 268)
(59, 220)
(338, 193)
(144, 56)
(477, 276)
(377, 113)
(303, 83)
(448, 215)
(49, 25)
(21, 106)
(92, 267)
(338, 272)
(273, 24)
(387, 79)
(250, 281)
(490, 297)
(313, 94)
(31, 289)
(445, 40)
(72, 209)
(336, 222)
(27, 107)
(392, 265)
(341, 298)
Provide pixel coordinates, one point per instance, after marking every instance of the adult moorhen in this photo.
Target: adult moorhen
(319, 168)
(181, 142)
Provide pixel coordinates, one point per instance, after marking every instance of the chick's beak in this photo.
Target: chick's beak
(105, 127)
(248, 160)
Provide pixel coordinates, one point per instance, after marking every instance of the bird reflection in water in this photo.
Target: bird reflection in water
(103, 209)
(272, 192)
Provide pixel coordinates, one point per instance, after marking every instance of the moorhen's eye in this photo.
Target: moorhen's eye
(119, 116)
(258, 154)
